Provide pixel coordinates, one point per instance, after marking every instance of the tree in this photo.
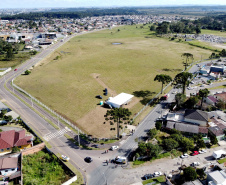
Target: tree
(200, 144)
(158, 125)
(187, 57)
(3, 112)
(198, 30)
(152, 28)
(170, 144)
(183, 80)
(200, 172)
(190, 174)
(9, 52)
(8, 118)
(154, 150)
(27, 72)
(119, 115)
(191, 102)
(203, 93)
(15, 149)
(213, 139)
(187, 144)
(163, 78)
(180, 99)
(152, 133)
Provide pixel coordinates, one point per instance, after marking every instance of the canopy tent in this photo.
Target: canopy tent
(119, 100)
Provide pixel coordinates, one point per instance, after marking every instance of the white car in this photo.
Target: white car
(192, 82)
(195, 164)
(174, 92)
(202, 151)
(156, 174)
(184, 156)
(114, 147)
(64, 158)
(190, 88)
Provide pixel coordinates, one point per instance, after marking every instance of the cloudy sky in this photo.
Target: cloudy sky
(101, 3)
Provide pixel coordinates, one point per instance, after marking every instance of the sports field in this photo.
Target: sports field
(69, 79)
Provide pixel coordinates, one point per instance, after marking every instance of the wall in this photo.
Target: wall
(33, 149)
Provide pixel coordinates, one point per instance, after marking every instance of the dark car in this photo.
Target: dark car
(88, 159)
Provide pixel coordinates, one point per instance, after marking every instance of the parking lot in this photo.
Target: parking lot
(134, 175)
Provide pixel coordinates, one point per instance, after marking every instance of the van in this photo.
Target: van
(120, 160)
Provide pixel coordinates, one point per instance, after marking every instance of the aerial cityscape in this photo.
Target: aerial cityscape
(112, 92)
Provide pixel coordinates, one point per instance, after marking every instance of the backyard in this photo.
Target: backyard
(69, 79)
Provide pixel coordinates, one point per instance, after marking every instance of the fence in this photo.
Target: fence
(46, 107)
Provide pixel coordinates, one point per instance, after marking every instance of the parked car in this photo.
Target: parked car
(88, 159)
(195, 153)
(64, 158)
(15, 69)
(202, 151)
(195, 164)
(156, 174)
(148, 176)
(114, 148)
(184, 156)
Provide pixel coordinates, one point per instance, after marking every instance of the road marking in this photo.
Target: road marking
(59, 133)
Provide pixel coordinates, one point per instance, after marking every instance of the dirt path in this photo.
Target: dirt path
(98, 79)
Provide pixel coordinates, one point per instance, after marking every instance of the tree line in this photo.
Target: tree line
(76, 14)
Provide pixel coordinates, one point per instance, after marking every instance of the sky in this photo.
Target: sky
(101, 3)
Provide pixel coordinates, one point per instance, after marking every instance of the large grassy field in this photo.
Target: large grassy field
(65, 80)
(213, 32)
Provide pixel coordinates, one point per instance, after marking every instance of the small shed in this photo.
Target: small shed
(119, 100)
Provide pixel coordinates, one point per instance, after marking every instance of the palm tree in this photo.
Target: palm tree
(187, 56)
(163, 78)
(203, 93)
(183, 80)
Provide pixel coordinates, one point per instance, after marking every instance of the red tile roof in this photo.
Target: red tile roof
(11, 138)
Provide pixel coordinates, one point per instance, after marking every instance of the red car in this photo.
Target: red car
(195, 153)
(15, 69)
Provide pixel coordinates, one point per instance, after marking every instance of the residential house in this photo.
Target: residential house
(216, 178)
(12, 138)
(8, 165)
(196, 117)
(183, 127)
(217, 131)
(211, 100)
(221, 96)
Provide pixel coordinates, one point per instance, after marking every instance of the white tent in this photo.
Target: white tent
(119, 100)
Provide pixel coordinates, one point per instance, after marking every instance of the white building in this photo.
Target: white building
(119, 100)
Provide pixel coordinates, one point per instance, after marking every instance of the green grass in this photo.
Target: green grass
(221, 161)
(218, 87)
(203, 45)
(67, 86)
(157, 180)
(43, 168)
(138, 162)
(213, 32)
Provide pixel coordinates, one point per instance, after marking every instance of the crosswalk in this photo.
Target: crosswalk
(59, 133)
